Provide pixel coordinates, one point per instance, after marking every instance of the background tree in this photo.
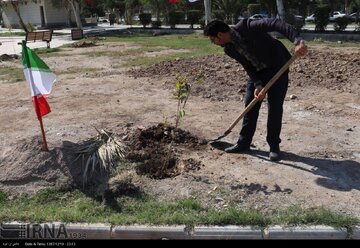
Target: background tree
(156, 6)
(131, 7)
(333, 4)
(230, 8)
(321, 17)
(354, 5)
(118, 6)
(75, 5)
(15, 6)
(280, 9)
(253, 8)
(302, 7)
(63, 4)
(270, 5)
(91, 8)
(72, 6)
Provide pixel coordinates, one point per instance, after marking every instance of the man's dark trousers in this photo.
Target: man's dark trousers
(275, 97)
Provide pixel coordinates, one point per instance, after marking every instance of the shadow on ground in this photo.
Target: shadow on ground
(220, 145)
(99, 184)
(341, 175)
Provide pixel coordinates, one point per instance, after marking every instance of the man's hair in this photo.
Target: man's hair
(214, 27)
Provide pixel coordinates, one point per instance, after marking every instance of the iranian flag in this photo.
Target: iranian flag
(40, 79)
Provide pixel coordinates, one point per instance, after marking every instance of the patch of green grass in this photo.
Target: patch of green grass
(46, 50)
(77, 69)
(9, 33)
(190, 204)
(236, 216)
(196, 43)
(52, 204)
(335, 43)
(121, 53)
(122, 166)
(113, 54)
(147, 61)
(289, 45)
(10, 74)
(55, 54)
(3, 197)
(75, 206)
(47, 196)
(295, 215)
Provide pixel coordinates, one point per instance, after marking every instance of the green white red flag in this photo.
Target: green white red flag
(40, 79)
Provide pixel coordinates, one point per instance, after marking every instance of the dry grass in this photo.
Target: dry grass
(103, 152)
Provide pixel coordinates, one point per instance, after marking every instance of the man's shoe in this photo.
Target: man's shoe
(274, 155)
(237, 148)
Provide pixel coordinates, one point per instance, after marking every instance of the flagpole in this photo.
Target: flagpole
(45, 146)
(37, 110)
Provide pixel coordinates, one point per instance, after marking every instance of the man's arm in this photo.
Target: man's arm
(274, 24)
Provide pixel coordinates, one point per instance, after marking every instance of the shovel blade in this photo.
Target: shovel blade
(216, 139)
(221, 136)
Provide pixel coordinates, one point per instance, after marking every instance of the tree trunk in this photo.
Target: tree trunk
(157, 11)
(207, 5)
(76, 9)
(280, 9)
(15, 6)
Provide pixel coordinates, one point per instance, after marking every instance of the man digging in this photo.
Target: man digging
(262, 56)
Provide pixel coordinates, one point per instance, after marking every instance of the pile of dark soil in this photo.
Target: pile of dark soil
(157, 150)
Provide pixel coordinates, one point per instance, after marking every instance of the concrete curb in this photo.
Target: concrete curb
(78, 231)
(149, 232)
(355, 233)
(309, 232)
(226, 232)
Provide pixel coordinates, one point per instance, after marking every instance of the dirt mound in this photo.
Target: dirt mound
(157, 150)
(26, 166)
(84, 43)
(328, 69)
(224, 78)
(7, 57)
(220, 75)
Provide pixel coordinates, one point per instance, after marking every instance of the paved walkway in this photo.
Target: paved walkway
(9, 45)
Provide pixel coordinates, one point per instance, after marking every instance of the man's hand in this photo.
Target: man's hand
(258, 94)
(301, 49)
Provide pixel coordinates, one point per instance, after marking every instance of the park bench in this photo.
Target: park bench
(77, 34)
(40, 36)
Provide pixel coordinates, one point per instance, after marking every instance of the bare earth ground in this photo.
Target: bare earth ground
(321, 131)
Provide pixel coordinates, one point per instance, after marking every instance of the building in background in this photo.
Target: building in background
(38, 13)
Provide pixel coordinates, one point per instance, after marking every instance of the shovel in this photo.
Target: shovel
(255, 100)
